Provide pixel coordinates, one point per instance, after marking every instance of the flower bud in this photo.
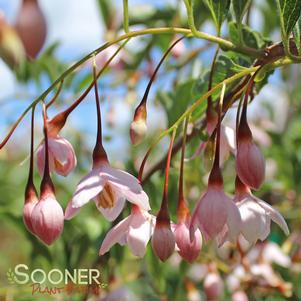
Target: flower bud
(163, 241)
(250, 163)
(138, 126)
(31, 200)
(31, 26)
(62, 158)
(213, 286)
(138, 131)
(188, 250)
(48, 219)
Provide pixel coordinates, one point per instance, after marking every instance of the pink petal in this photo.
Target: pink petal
(233, 221)
(140, 199)
(140, 232)
(121, 179)
(116, 235)
(112, 213)
(255, 223)
(211, 213)
(70, 212)
(63, 152)
(274, 215)
(89, 187)
(250, 164)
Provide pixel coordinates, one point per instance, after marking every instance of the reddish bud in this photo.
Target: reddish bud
(250, 163)
(62, 158)
(48, 219)
(31, 26)
(163, 241)
(31, 199)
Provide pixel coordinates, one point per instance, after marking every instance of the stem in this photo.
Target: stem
(60, 119)
(181, 178)
(99, 153)
(164, 204)
(51, 102)
(145, 96)
(126, 16)
(215, 174)
(163, 30)
(30, 185)
(211, 75)
(46, 184)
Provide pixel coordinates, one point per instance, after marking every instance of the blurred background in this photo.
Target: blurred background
(271, 270)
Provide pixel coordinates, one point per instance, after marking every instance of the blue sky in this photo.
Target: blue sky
(77, 26)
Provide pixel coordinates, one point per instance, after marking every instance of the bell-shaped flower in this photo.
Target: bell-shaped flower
(47, 219)
(250, 163)
(62, 158)
(187, 249)
(163, 240)
(134, 231)
(109, 187)
(256, 216)
(138, 127)
(216, 213)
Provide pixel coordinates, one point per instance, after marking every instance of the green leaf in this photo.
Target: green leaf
(296, 34)
(290, 11)
(219, 10)
(251, 37)
(240, 7)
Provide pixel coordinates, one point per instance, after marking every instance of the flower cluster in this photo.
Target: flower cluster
(216, 216)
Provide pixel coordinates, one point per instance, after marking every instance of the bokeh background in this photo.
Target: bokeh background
(269, 271)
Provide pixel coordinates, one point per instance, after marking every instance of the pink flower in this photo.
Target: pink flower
(62, 158)
(31, 26)
(47, 219)
(250, 164)
(213, 287)
(31, 200)
(135, 231)
(189, 250)
(215, 214)
(256, 216)
(163, 240)
(109, 187)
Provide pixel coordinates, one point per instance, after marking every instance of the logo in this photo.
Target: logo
(56, 281)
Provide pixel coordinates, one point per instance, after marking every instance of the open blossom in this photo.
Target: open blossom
(216, 213)
(256, 215)
(109, 187)
(134, 231)
(62, 158)
(47, 219)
